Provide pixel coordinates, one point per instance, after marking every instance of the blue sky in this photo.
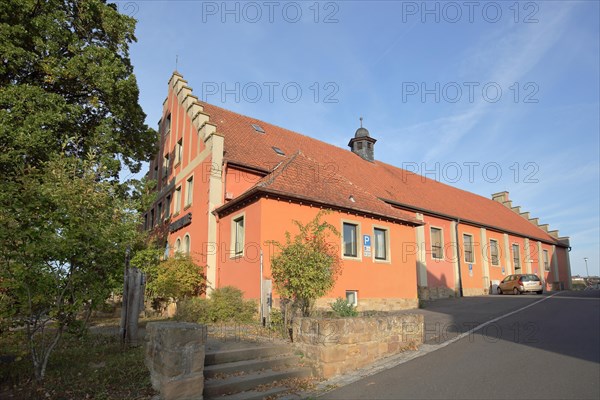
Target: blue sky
(486, 96)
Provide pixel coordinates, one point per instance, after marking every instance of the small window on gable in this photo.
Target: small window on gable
(177, 199)
(238, 236)
(168, 124)
(258, 128)
(189, 191)
(168, 206)
(186, 244)
(179, 151)
(166, 165)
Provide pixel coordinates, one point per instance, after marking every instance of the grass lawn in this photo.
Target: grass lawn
(92, 367)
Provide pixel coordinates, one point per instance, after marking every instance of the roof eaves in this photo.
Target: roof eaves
(260, 190)
(459, 219)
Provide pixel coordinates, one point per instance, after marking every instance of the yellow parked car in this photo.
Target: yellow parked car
(520, 283)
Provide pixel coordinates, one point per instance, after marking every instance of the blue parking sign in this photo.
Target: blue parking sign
(367, 240)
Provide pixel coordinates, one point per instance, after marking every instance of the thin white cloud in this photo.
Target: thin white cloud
(519, 51)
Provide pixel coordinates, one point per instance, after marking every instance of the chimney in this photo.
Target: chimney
(363, 144)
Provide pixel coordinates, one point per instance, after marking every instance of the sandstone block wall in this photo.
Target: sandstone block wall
(175, 357)
(339, 345)
(373, 304)
(435, 293)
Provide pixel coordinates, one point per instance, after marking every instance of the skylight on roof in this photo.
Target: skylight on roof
(278, 151)
(258, 128)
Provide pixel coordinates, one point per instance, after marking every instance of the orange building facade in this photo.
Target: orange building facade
(228, 185)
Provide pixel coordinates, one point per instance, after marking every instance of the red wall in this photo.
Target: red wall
(269, 219)
(440, 272)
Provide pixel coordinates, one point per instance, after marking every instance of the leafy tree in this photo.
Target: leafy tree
(307, 266)
(69, 122)
(175, 278)
(65, 73)
(62, 250)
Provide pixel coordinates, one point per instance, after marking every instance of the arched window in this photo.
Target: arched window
(177, 245)
(186, 244)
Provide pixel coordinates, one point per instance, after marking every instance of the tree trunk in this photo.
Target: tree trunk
(40, 361)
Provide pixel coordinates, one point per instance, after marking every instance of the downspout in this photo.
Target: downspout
(460, 287)
(262, 321)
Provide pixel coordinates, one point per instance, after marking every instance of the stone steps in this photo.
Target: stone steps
(211, 371)
(248, 353)
(239, 374)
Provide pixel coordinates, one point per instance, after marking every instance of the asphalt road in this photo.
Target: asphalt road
(550, 350)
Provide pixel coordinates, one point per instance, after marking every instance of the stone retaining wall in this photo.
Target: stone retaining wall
(373, 304)
(435, 293)
(339, 345)
(175, 357)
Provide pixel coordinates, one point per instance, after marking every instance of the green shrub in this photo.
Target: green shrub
(342, 308)
(194, 309)
(277, 322)
(226, 304)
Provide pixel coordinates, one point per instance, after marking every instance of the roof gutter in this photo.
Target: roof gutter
(455, 218)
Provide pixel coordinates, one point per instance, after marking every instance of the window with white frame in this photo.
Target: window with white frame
(168, 124)
(546, 261)
(350, 234)
(381, 243)
(352, 297)
(178, 151)
(516, 257)
(468, 248)
(186, 244)
(168, 206)
(494, 252)
(437, 243)
(177, 245)
(189, 191)
(177, 199)
(166, 165)
(238, 236)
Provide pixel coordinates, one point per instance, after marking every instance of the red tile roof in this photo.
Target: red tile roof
(336, 169)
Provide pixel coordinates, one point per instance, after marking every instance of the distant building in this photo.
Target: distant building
(228, 184)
